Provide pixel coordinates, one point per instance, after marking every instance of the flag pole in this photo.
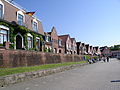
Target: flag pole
(29, 17)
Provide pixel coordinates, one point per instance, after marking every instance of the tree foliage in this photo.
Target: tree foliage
(115, 47)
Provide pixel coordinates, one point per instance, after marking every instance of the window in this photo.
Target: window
(3, 36)
(67, 46)
(30, 42)
(1, 11)
(37, 43)
(35, 28)
(60, 42)
(48, 39)
(35, 25)
(20, 19)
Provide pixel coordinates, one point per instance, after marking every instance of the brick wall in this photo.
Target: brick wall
(20, 58)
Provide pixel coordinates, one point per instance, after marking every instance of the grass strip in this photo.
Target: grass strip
(9, 71)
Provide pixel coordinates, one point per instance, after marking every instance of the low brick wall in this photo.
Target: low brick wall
(20, 58)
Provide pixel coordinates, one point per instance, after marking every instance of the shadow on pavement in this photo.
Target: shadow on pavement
(115, 81)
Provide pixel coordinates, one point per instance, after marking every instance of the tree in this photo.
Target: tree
(115, 47)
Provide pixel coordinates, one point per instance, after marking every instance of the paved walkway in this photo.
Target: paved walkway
(99, 76)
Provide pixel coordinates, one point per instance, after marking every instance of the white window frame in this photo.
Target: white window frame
(67, 46)
(60, 42)
(3, 36)
(7, 29)
(29, 35)
(3, 8)
(34, 20)
(39, 41)
(4, 27)
(47, 38)
(21, 13)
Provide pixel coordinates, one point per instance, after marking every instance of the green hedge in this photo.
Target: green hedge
(91, 57)
(88, 57)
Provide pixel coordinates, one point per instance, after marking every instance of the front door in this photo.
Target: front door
(18, 42)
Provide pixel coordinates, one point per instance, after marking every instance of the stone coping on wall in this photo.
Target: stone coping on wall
(16, 78)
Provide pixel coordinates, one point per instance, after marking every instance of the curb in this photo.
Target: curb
(16, 78)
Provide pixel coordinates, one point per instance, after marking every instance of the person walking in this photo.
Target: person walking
(104, 59)
(107, 59)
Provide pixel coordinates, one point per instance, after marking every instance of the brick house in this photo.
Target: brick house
(88, 49)
(105, 51)
(84, 50)
(97, 51)
(94, 50)
(48, 43)
(54, 38)
(61, 48)
(91, 50)
(81, 48)
(55, 43)
(115, 54)
(21, 30)
(73, 46)
(66, 42)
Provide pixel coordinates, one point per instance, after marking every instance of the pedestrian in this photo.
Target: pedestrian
(93, 60)
(104, 59)
(99, 58)
(107, 59)
(84, 57)
(89, 61)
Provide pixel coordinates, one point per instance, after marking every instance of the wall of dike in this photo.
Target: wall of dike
(22, 58)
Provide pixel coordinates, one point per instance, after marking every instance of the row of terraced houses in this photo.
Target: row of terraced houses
(22, 31)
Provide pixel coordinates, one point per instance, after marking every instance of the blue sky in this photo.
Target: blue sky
(94, 22)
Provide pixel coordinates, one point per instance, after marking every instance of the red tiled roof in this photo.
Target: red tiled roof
(64, 37)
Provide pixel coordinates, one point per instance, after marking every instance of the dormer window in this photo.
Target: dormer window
(20, 18)
(1, 10)
(35, 25)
